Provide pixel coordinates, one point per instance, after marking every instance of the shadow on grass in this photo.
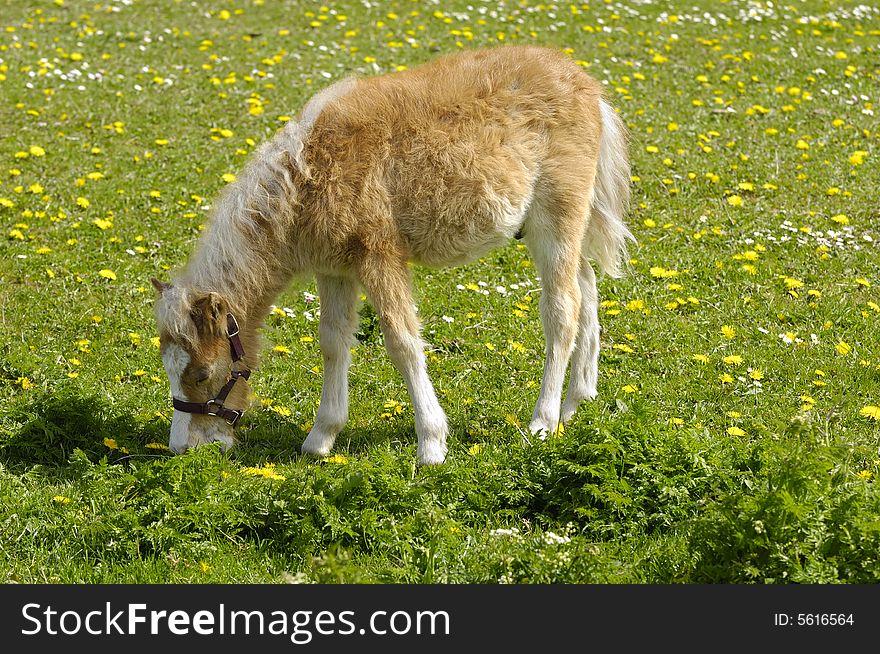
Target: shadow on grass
(52, 426)
(264, 437)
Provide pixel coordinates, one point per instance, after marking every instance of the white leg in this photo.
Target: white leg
(339, 299)
(408, 356)
(585, 361)
(387, 285)
(557, 263)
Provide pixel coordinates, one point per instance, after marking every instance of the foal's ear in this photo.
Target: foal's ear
(160, 287)
(208, 312)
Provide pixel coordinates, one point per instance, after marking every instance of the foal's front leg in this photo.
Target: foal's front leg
(339, 300)
(388, 287)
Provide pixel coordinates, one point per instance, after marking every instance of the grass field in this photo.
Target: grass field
(736, 433)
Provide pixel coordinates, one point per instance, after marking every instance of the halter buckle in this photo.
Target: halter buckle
(209, 410)
(232, 323)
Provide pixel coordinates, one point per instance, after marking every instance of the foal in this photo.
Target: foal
(436, 165)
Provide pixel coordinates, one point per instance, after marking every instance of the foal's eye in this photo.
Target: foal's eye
(202, 375)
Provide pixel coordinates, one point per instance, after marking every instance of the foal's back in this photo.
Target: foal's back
(441, 162)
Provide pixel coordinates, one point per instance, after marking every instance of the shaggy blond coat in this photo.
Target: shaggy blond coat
(435, 165)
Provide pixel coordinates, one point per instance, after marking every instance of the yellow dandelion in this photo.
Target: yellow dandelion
(635, 305)
(659, 272)
(857, 158)
(267, 471)
(107, 274)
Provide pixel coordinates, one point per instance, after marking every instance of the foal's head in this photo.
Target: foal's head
(194, 342)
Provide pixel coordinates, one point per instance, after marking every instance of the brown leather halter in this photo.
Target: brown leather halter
(214, 407)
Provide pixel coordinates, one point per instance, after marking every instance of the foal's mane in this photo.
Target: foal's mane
(238, 254)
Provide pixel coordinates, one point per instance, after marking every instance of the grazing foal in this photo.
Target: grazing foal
(436, 165)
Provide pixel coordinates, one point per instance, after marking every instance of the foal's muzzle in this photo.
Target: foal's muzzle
(215, 406)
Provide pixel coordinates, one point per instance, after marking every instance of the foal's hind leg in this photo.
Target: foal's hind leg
(388, 287)
(339, 300)
(556, 248)
(585, 361)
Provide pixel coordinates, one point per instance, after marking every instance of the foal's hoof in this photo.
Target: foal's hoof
(568, 411)
(571, 404)
(432, 453)
(317, 443)
(541, 429)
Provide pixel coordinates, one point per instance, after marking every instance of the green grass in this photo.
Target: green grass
(757, 224)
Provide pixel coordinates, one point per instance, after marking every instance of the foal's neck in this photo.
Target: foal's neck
(245, 254)
(246, 273)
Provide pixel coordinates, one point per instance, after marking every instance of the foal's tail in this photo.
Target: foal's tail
(607, 234)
